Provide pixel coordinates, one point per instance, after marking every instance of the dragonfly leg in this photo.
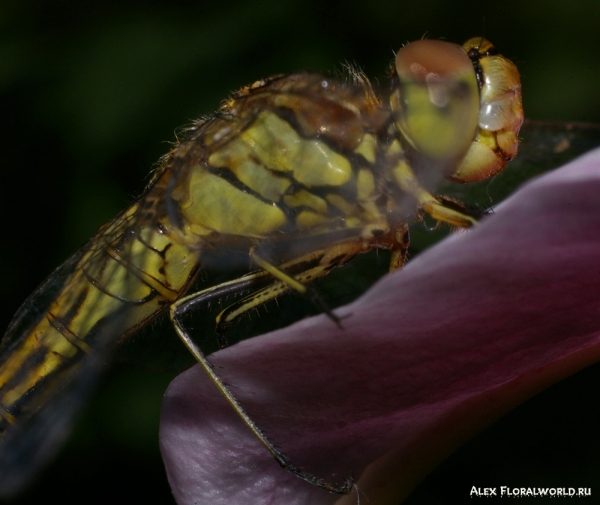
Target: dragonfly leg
(290, 282)
(397, 241)
(293, 275)
(236, 310)
(408, 181)
(323, 260)
(178, 309)
(399, 248)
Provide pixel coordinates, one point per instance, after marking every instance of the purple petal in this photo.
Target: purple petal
(427, 357)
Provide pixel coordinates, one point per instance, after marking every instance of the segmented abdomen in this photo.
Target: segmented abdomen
(125, 275)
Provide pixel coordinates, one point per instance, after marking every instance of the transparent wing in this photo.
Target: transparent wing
(56, 348)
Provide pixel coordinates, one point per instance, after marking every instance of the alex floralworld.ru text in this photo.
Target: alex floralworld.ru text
(529, 491)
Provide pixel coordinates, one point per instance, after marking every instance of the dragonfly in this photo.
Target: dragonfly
(293, 176)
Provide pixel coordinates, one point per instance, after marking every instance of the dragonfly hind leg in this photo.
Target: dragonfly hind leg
(192, 302)
(267, 284)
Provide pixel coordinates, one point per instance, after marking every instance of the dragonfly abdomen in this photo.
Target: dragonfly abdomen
(126, 275)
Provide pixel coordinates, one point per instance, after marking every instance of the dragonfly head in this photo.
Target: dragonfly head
(459, 109)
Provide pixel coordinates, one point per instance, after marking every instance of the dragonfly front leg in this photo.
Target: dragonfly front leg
(438, 210)
(191, 302)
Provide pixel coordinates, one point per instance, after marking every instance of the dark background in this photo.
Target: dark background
(90, 94)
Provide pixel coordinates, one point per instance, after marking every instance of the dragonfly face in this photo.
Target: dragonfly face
(303, 173)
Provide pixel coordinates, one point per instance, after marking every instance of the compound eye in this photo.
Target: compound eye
(436, 103)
